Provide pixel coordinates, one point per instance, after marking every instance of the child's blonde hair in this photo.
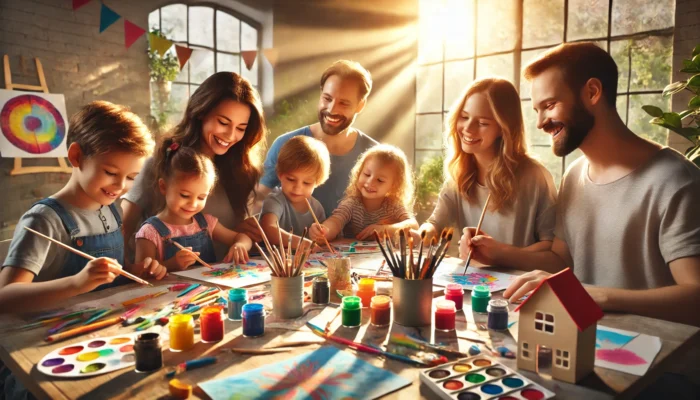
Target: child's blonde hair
(305, 153)
(403, 191)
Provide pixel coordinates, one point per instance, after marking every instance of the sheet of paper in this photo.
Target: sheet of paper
(495, 281)
(231, 275)
(625, 351)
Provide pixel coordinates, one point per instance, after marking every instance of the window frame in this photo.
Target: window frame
(562, 359)
(544, 322)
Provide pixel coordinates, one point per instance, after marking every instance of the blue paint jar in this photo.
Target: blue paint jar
(253, 320)
(498, 315)
(237, 298)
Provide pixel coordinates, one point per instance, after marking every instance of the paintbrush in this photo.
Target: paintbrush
(85, 255)
(411, 265)
(290, 260)
(83, 329)
(476, 233)
(319, 226)
(428, 258)
(196, 257)
(386, 257)
(420, 251)
(440, 254)
(402, 247)
(283, 256)
(267, 260)
(262, 233)
(392, 253)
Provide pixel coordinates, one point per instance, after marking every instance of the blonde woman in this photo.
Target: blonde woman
(487, 154)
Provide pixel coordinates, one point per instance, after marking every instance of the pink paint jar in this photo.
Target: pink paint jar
(454, 292)
(445, 315)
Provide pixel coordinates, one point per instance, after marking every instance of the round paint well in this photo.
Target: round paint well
(106, 352)
(52, 362)
(129, 358)
(92, 368)
(532, 394)
(70, 350)
(127, 348)
(453, 385)
(482, 363)
(512, 382)
(475, 378)
(462, 367)
(495, 371)
(88, 356)
(119, 340)
(96, 344)
(491, 389)
(62, 369)
(114, 362)
(439, 374)
(468, 396)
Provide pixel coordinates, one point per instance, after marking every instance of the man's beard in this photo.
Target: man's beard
(574, 131)
(331, 130)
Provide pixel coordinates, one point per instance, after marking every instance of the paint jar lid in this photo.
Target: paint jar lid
(445, 305)
(351, 303)
(454, 288)
(238, 294)
(498, 306)
(252, 308)
(320, 281)
(365, 285)
(210, 311)
(380, 301)
(481, 291)
(148, 337)
(181, 319)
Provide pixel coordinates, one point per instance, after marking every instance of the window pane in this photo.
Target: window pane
(620, 51)
(429, 89)
(251, 75)
(621, 105)
(174, 22)
(425, 155)
(249, 37)
(549, 317)
(573, 156)
(429, 38)
(228, 30)
(550, 161)
(526, 58)
(202, 26)
(154, 20)
(543, 22)
(495, 66)
(201, 65)
(458, 75)
(496, 30)
(549, 328)
(538, 315)
(651, 63)
(183, 75)
(429, 131)
(532, 134)
(638, 120)
(228, 62)
(177, 103)
(459, 29)
(587, 19)
(538, 326)
(632, 16)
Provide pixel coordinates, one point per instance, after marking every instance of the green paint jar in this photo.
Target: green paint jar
(351, 311)
(480, 298)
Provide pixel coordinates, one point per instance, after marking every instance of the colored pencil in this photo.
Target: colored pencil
(196, 257)
(143, 298)
(63, 325)
(83, 329)
(478, 228)
(319, 226)
(98, 315)
(189, 289)
(85, 255)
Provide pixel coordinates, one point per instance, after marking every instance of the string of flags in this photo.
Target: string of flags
(133, 32)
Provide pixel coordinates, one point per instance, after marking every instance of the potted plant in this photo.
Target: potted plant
(687, 122)
(428, 185)
(163, 71)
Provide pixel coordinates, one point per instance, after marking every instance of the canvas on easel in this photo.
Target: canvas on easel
(32, 125)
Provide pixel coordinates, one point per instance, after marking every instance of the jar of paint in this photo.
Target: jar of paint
(380, 311)
(480, 298)
(237, 298)
(365, 291)
(351, 311)
(288, 296)
(212, 324)
(181, 332)
(339, 273)
(498, 315)
(445, 315)
(454, 292)
(253, 320)
(321, 290)
(147, 352)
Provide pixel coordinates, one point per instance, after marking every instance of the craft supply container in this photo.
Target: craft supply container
(147, 349)
(455, 292)
(321, 292)
(498, 315)
(413, 301)
(253, 320)
(339, 273)
(288, 296)
(211, 323)
(365, 291)
(237, 298)
(445, 313)
(480, 298)
(181, 328)
(351, 314)
(380, 311)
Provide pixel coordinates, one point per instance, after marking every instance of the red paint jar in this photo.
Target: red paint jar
(454, 292)
(212, 324)
(380, 310)
(445, 315)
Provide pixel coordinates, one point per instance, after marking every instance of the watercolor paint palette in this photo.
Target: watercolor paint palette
(91, 357)
(481, 378)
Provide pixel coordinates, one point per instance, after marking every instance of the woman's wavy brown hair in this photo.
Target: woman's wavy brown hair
(512, 148)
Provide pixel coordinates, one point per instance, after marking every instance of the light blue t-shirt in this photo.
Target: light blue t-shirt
(333, 190)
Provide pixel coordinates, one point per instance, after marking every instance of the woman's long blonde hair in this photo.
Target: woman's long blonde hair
(395, 160)
(511, 146)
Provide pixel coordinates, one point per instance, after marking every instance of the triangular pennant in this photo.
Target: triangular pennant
(107, 17)
(272, 55)
(79, 3)
(159, 44)
(183, 54)
(131, 33)
(249, 58)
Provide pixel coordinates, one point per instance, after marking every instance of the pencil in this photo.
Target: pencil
(181, 247)
(478, 228)
(83, 329)
(85, 255)
(319, 225)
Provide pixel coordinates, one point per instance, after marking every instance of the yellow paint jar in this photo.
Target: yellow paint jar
(181, 332)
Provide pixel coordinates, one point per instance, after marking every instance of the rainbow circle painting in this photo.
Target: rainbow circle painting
(32, 124)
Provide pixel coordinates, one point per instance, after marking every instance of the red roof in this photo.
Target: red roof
(582, 309)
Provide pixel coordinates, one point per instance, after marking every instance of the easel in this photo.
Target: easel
(18, 168)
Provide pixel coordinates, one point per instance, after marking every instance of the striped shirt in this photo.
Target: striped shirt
(354, 217)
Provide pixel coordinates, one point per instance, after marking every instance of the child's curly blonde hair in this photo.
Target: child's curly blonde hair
(394, 159)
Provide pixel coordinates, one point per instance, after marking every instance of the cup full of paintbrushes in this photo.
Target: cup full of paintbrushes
(412, 301)
(288, 296)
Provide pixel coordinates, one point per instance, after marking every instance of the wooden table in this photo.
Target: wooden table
(21, 351)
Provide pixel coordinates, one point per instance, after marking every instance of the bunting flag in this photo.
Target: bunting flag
(79, 3)
(183, 54)
(159, 44)
(249, 58)
(272, 56)
(107, 17)
(131, 33)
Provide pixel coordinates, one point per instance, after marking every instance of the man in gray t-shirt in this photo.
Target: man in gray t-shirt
(628, 219)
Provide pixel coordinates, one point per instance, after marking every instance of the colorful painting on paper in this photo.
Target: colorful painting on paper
(358, 247)
(231, 275)
(495, 281)
(625, 351)
(324, 374)
(32, 124)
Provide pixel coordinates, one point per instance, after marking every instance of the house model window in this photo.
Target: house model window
(525, 350)
(544, 322)
(561, 359)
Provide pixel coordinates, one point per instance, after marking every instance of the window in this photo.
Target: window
(462, 40)
(217, 36)
(561, 359)
(525, 350)
(544, 322)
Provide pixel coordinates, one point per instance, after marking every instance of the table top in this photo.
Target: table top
(22, 350)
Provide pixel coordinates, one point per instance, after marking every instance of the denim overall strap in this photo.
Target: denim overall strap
(200, 242)
(160, 226)
(68, 221)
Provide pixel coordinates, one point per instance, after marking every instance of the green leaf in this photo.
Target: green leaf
(691, 70)
(691, 134)
(694, 81)
(696, 50)
(696, 60)
(694, 103)
(673, 119)
(653, 111)
(673, 88)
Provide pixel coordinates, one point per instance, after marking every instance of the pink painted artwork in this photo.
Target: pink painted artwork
(625, 351)
(619, 356)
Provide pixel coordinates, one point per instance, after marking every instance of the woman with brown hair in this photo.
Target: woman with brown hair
(223, 120)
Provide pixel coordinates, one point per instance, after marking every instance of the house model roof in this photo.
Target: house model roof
(582, 309)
